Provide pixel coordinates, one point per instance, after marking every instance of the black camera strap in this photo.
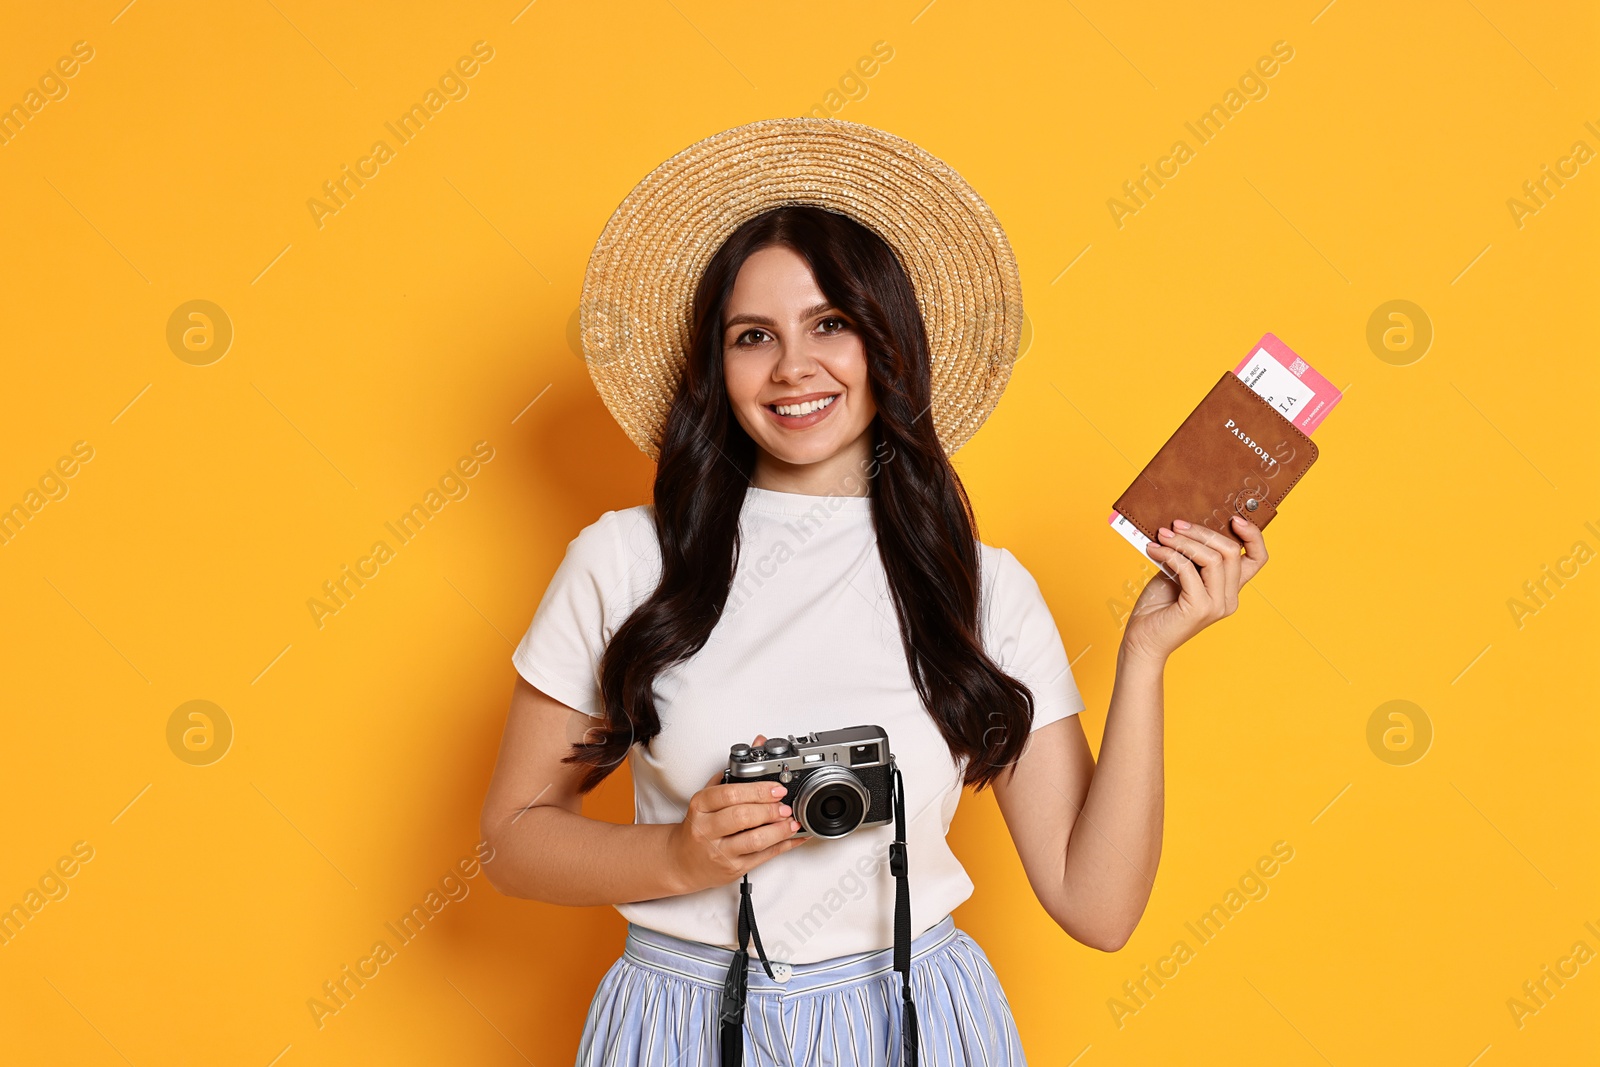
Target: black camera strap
(902, 923)
(735, 985)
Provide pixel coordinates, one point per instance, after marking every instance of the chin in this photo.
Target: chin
(802, 453)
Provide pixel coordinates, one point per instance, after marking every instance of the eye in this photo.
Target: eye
(841, 324)
(741, 341)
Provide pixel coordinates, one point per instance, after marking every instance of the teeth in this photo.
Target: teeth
(803, 409)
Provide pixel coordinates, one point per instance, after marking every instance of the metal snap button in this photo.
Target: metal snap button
(781, 972)
(1252, 503)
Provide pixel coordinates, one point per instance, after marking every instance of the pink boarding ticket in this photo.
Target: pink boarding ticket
(1288, 383)
(1293, 388)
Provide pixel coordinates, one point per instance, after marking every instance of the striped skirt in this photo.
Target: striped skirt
(658, 1004)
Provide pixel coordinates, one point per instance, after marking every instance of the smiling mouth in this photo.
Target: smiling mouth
(803, 408)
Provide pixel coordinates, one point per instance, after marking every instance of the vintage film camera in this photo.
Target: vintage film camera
(838, 780)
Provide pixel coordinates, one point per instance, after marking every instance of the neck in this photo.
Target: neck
(841, 474)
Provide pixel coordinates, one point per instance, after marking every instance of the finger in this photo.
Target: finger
(732, 820)
(756, 859)
(1228, 549)
(1255, 547)
(1226, 546)
(716, 797)
(761, 739)
(1189, 582)
(761, 837)
(1208, 559)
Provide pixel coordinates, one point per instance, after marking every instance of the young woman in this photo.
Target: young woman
(810, 563)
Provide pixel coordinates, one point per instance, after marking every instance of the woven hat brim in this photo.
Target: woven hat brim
(638, 290)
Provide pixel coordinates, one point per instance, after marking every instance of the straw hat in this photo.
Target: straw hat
(635, 311)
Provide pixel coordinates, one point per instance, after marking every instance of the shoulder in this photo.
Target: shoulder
(607, 569)
(615, 558)
(609, 566)
(1021, 634)
(617, 540)
(1010, 600)
(1002, 574)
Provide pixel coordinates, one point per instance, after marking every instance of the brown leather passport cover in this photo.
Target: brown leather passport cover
(1234, 453)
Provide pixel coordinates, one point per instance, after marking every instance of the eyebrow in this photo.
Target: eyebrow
(762, 320)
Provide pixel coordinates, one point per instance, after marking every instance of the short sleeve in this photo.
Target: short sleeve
(589, 596)
(1021, 636)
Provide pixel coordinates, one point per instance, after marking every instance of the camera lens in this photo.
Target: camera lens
(832, 802)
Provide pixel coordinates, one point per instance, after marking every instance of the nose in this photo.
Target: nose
(795, 362)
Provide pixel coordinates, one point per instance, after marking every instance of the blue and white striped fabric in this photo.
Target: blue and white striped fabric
(658, 1005)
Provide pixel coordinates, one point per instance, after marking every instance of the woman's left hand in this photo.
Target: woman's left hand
(1210, 571)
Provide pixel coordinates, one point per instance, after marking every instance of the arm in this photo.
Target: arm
(1090, 836)
(546, 849)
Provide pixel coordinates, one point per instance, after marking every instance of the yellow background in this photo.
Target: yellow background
(372, 352)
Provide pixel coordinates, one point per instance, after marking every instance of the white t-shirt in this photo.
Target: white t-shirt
(809, 641)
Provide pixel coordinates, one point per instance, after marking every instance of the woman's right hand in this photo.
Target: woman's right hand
(731, 828)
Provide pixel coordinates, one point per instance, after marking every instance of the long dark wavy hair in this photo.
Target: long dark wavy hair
(927, 537)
